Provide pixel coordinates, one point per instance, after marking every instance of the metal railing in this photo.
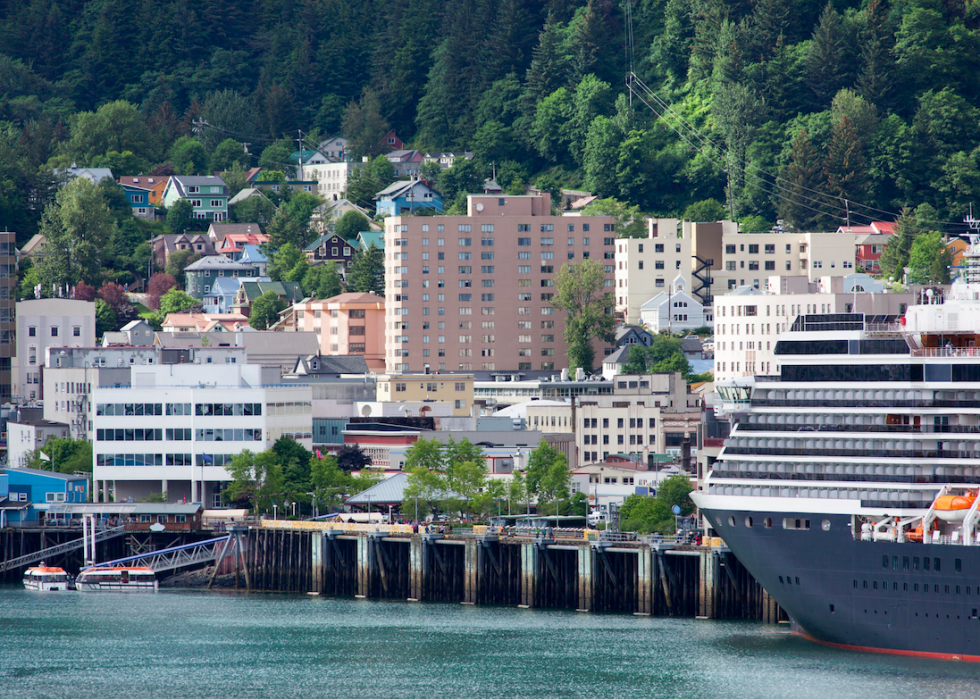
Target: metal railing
(910, 429)
(947, 352)
(59, 549)
(175, 557)
(845, 453)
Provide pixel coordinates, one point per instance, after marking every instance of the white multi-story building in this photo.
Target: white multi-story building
(331, 178)
(176, 428)
(44, 323)
(749, 259)
(749, 320)
(23, 438)
(71, 372)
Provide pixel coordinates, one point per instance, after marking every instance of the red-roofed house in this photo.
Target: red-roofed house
(870, 242)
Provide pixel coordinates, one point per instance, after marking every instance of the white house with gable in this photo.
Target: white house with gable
(674, 309)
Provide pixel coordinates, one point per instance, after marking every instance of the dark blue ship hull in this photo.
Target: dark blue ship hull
(875, 596)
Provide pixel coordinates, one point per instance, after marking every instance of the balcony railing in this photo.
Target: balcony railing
(862, 403)
(907, 429)
(848, 453)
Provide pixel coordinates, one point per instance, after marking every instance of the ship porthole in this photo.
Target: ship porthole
(718, 519)
(767, 522)
(748, 522)
(731, 521)
(825, 525)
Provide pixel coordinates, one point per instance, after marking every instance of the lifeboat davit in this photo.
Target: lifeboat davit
(953, 508)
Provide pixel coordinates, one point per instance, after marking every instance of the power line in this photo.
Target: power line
(777, 182)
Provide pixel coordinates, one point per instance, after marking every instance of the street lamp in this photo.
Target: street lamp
(316, 512)
(275, 509)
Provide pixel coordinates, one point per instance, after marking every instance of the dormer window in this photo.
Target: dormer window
(193, 190)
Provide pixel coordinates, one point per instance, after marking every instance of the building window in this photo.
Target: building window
(54, 332)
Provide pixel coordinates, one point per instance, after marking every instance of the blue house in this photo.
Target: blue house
(139, 201)
(221, 297)
(253, 255)
(407, 197)
(26, 494)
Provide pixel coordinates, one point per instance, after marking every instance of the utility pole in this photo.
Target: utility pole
(299, 142)
(731, 202)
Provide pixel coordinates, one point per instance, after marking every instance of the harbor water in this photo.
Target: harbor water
(178, 644)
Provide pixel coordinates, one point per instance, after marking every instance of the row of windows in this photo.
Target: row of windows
(130, 409)
(164, 459)
(229, 435)
(914, 563)
(289, 408)
(130, 435)
(945, 589)
(241, 409)
(634, 422)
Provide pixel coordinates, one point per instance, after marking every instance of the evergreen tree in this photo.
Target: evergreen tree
(366, 273)
(364, 126)
(875, 80)
(549, 67)
(824, 60)
(801, 177)
(909, 226)
(845, 167)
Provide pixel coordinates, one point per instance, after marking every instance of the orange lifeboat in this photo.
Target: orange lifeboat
(953, 508)
(915, 534)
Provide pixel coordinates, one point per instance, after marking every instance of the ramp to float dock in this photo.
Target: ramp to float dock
(58, 549)
(176, 556)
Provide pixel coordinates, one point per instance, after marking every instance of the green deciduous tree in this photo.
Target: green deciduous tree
(265, 310)
(76, 226)
(580, 292)
(284, 260)
(114, 127)
(644, 514)
(630, 221)
(178, 261)
(706, 210)
(189, 156)
(180, 216)
(322, 281)
(909, 226)
(929, 259)
(350, 224)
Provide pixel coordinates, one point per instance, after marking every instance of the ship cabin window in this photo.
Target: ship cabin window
(905, 562)
(973, 613)
(865, 585)
(935, 564)
(780, 579)
(884, 561)
(915, 563)
(791, 523)
(767, 522)
(958, 565)
(731, 521)
(748, 523)
(925, 563)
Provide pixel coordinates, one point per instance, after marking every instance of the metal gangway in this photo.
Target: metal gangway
(176, 556)
(57, 550)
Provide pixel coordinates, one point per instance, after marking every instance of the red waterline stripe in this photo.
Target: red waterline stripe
(890, 651)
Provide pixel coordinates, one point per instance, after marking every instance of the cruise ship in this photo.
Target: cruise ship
(849, 484)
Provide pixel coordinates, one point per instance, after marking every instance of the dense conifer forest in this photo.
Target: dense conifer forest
(801, 110)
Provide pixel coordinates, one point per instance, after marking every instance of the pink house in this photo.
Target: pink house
(347, 324)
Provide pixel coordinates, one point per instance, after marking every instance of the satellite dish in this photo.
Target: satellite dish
(479, 207)
(676, 509)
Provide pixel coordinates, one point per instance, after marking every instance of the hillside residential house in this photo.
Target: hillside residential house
(253, 255)
(332, 211)
(139, 201)
(365, 239)
(23, 438)
(218, 231)
(33, 249)
(163, 246)
(391, 142)
(407, 197)
(335, 148)
(330, 247)
(223, 295)
(675, 310)
(205, 322)
(249, 290)
(234, 244)
(154, 183)
(208, 195)
(446, 159)
(870, 246)
(201, 274)
(92, 174)
(407, 163)
(456, 389)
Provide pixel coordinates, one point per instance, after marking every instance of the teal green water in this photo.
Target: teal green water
(194, 644)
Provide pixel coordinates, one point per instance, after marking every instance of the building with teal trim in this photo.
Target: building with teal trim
(26, 494)
(207, 195)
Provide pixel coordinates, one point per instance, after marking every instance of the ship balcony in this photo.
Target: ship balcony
(862, 403)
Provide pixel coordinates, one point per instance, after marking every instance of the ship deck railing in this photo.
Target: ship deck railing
(860, 403)
(846, 452)
(914, 429)
(947, 352)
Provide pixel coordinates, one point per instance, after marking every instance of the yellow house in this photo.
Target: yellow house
(957, 248)
(456, 389)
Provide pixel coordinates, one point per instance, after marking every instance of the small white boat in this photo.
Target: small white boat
(45, 578)
(116, 579)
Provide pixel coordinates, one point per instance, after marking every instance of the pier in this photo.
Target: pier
(566, 570)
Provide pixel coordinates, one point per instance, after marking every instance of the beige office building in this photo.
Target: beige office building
(473, 292)
(456, 389)
(749, 321)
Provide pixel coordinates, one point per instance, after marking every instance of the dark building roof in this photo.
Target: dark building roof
(317, 364)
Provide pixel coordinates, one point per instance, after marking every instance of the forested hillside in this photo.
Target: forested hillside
(861, 107)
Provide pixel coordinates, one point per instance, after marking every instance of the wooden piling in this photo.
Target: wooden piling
(585, 564)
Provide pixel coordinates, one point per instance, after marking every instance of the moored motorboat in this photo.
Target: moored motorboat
(116, 579)
(45, 578)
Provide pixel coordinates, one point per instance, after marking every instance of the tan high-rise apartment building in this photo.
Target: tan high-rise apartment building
(473, 292)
